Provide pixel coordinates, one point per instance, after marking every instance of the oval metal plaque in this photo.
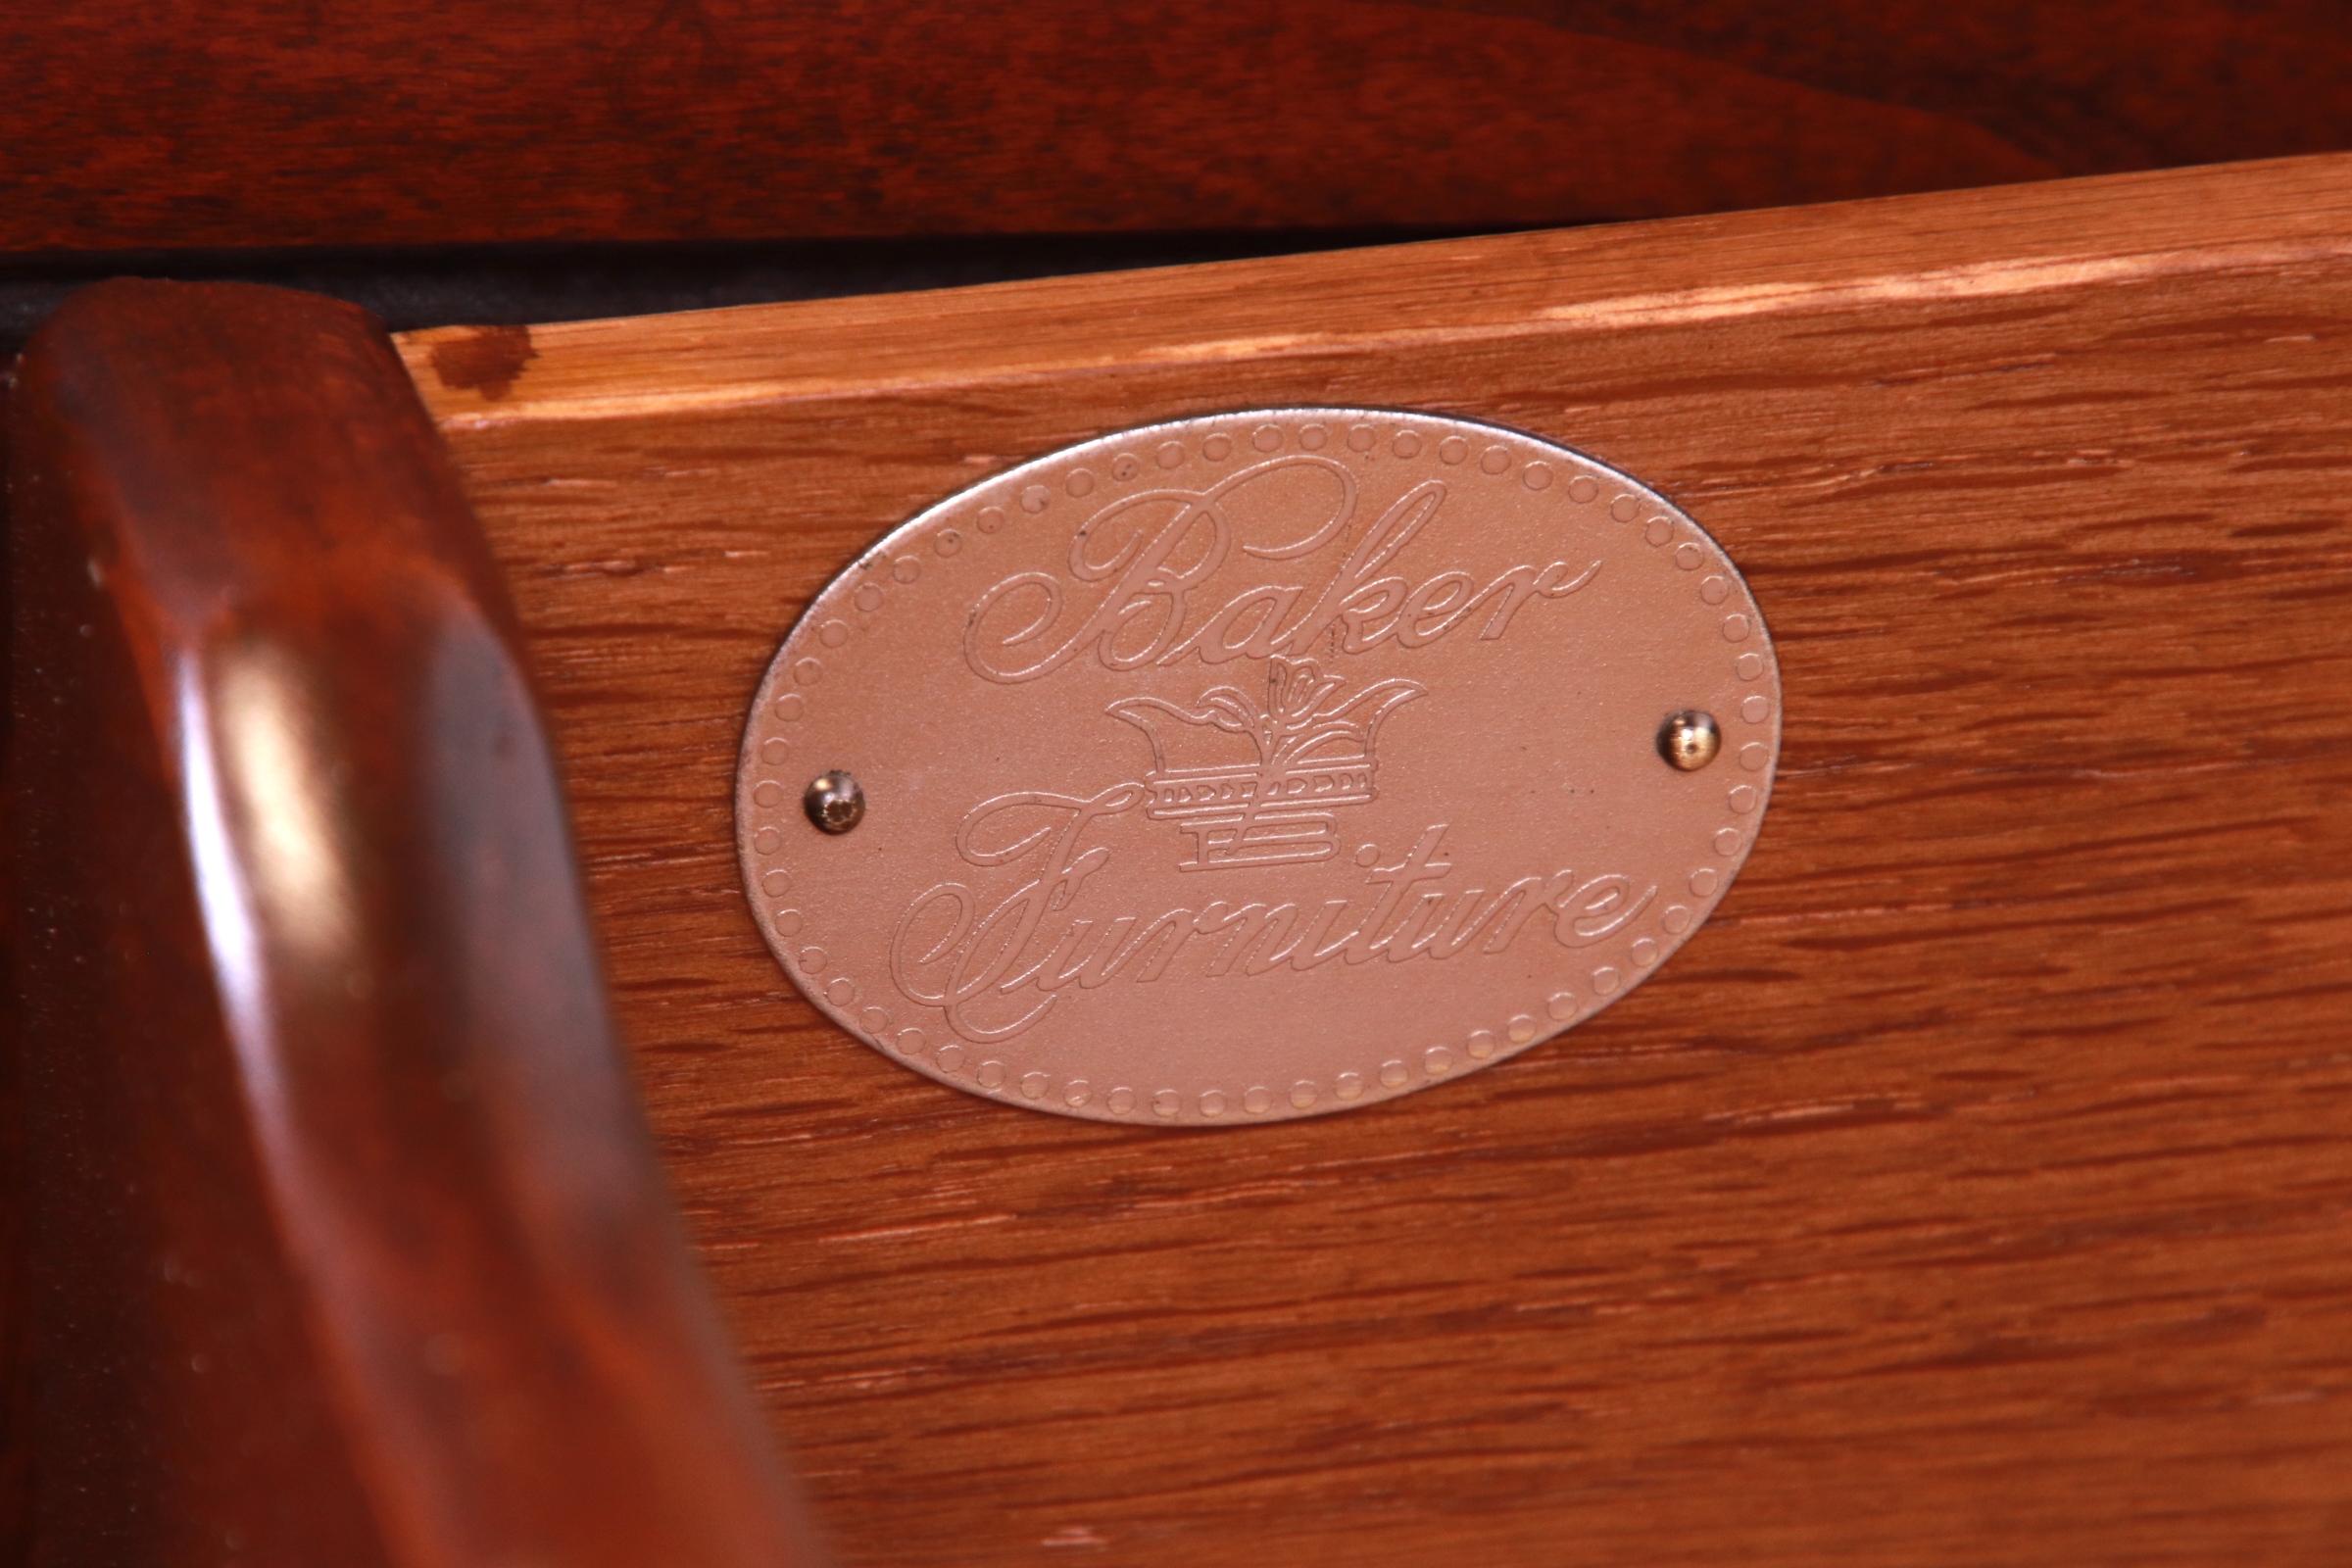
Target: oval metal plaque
(1257, 767)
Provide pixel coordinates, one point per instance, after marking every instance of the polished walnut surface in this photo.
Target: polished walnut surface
(508, 122)
(1971, 1189)
(334, 1234)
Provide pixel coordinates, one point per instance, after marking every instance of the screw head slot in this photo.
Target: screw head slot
(1688, 740)
(834, 801)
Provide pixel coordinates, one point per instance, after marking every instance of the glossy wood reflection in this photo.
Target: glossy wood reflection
(342, 1243)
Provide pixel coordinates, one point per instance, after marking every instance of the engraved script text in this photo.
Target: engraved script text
(1141, 559)
(995, 970)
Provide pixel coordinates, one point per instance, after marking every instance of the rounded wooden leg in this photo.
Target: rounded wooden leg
(342, 1238)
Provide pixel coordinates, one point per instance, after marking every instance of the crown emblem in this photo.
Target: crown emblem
(1265, 784)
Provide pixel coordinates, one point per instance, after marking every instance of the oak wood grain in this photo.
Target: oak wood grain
(276, 124)
(1974, 1188)
(340, 1240)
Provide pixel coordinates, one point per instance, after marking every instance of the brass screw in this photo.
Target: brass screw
(834, 801)
(1690, 739)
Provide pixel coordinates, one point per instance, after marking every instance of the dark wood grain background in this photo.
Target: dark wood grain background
(282, 122)
(1973, 1189)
